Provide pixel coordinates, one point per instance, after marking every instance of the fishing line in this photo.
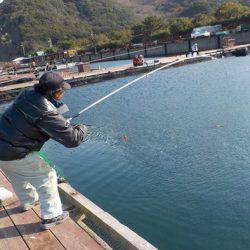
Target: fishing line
(123, 87)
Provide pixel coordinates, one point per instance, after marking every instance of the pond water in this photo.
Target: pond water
(169, 156)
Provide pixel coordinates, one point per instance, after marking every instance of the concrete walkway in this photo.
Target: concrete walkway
(98, 73)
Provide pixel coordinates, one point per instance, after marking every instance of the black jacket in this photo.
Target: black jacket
(29, 122)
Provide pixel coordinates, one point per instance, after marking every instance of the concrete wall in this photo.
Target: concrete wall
(177, 47)
(169, 48)
(241, 38)
(206, 43)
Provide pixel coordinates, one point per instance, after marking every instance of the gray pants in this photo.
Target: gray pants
(33, 179)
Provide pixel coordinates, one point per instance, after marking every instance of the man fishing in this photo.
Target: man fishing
(25, 126)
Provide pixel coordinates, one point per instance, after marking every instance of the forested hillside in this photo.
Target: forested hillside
(174, 8)
(38, 21)
(52, 25)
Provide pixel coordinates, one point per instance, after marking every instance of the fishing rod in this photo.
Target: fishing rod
(123, 87)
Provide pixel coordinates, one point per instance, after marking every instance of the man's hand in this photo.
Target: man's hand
(81, 127)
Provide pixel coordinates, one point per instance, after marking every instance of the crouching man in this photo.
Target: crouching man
(25, 126)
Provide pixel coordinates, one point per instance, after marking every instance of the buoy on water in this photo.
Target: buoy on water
(218, 126)
(125, 138)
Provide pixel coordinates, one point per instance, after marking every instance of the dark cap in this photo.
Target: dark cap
(53, 81)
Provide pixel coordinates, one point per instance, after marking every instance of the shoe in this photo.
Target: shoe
(5, 194)
(47, 224)
(27, 207)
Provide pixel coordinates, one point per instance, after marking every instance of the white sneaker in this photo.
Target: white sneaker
(47, 224)
(5, 194)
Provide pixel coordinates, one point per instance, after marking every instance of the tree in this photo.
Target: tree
(150, 26)
(163, 35)
(178, 25)
(101, 40)
(203, 20)
(230, 10)
(120, 38)
(67, 44)
(197, 8)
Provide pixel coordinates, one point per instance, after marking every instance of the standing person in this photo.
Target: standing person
(47, 67)
(195, 49)
(24, 127)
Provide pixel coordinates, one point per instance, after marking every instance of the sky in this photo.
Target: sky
(1, 1)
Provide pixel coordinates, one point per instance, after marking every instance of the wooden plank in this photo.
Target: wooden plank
(9, 236)
(28, 224)
(72, 236)
(69, 234)
(119, 232)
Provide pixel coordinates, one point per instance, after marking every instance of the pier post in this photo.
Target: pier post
(166, 48)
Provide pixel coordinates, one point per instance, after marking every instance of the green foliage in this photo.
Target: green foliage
(86, 24)
(151, 27)
(34, 22)
(175, 8)
(120, 38)
(101, 40)
(197, 8)
(103, 15)
(203, 20)
(179, 25)
(230, 10)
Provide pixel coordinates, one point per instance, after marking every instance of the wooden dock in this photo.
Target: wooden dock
(21, 230)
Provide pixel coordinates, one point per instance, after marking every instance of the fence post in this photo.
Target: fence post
(128, 53)
(145, 51)
(189, 45)
(114, 54)
(218, 42)
(166, 48)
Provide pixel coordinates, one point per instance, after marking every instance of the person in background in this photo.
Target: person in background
(195, 49)
(47, 67)
(65, 61)
(14, 69)
(33, 64)
(25, 126)
(141, 60)
(135, 61)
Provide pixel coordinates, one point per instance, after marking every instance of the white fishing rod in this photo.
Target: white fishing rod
(123, 87)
